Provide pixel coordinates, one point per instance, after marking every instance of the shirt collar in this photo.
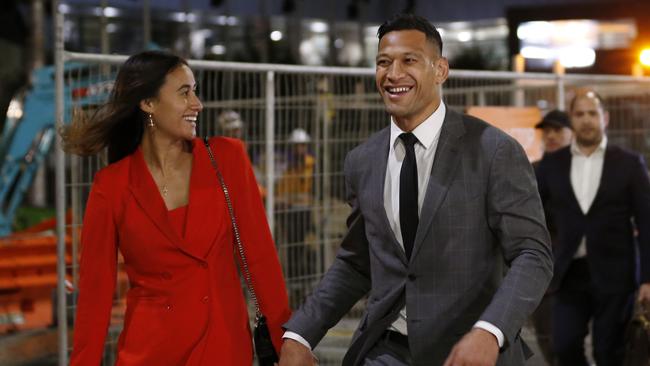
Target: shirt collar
(601, 147)
(427, 132)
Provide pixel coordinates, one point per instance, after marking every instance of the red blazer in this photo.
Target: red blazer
(185, 305)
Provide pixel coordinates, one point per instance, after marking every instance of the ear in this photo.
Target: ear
(606, 118)
(147, 106)
(441, 69)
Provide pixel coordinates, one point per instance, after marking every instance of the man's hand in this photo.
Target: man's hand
(477, 348)
(293, 353)
(644, 294)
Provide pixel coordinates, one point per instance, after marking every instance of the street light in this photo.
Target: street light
(644, 57)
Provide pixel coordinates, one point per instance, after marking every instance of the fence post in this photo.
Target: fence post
(324, 254)
(60, 188)
(519, 66)
(558, 70)
(270, 148)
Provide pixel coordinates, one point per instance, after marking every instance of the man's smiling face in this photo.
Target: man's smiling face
(408, 73)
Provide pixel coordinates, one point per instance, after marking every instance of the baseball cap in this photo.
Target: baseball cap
(555, 118)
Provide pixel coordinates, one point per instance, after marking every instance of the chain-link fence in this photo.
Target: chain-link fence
(298, 123)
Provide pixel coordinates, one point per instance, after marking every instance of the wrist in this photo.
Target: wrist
(489, 337)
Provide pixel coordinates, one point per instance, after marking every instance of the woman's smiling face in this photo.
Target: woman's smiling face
(176, 107)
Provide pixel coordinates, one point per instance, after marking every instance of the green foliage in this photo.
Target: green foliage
(27, 216)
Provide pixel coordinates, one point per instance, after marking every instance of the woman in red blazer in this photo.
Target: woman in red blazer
(160, 204)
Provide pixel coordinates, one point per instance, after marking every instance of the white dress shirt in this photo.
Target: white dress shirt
(428, 134)
(586, 171)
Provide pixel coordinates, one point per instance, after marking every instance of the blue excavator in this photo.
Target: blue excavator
(27, 137)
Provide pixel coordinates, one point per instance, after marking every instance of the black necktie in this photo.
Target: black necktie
(408, 194)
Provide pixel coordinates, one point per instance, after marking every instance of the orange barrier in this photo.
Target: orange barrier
(28, 279)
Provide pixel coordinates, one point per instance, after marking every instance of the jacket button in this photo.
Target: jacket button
(168, 307)
(204, 300)
(411, 277)
(167, 275)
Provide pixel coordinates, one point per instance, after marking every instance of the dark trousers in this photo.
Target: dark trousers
(575, 304)
(542, 320)
(388, 352)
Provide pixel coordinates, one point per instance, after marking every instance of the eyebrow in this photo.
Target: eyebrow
(188, 86)
(410, 53)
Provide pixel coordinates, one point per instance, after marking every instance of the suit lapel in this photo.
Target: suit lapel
(205, 208)
(565, 170)
(608, 160)
(145, 192)
(442, 172)
(378, 160)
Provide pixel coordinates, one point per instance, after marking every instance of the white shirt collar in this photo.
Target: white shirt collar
(427, 132)
(576, 151)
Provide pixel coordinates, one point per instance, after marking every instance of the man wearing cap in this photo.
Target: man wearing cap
(556, 134)
(556, 130)
(596, 195)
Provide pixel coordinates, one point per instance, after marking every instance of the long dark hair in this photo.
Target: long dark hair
(119, 124)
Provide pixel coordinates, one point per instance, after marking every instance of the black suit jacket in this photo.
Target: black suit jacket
(622, 200)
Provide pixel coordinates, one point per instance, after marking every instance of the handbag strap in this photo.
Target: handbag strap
(235, 230)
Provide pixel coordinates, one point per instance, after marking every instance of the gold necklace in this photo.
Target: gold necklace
(162, 187)
(164, 183)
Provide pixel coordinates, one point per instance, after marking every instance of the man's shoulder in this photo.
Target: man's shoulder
(483, 133)
(553, 160)
(621, 152)
(623, 160)
(371, 144)
(560, 153)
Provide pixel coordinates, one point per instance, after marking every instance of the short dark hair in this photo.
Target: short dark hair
(586, 94)
(406, 21)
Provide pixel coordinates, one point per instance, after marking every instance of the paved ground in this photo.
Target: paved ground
(29, 348)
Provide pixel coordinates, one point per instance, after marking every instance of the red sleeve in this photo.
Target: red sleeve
(97, 278)
(260, 249)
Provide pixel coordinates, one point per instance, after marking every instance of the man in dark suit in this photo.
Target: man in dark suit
(595, 193)
(440, 201)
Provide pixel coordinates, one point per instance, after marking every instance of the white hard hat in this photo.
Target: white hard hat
(299, 136)
(230, 120)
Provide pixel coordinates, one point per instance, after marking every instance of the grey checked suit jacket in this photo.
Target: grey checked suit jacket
(481, 210)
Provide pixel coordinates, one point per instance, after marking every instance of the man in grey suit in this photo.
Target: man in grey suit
(440, 201)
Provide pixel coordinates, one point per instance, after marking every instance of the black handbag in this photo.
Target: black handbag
(264, 350)
(637, 338)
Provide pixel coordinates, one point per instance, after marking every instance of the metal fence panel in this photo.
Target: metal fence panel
(301, 173)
